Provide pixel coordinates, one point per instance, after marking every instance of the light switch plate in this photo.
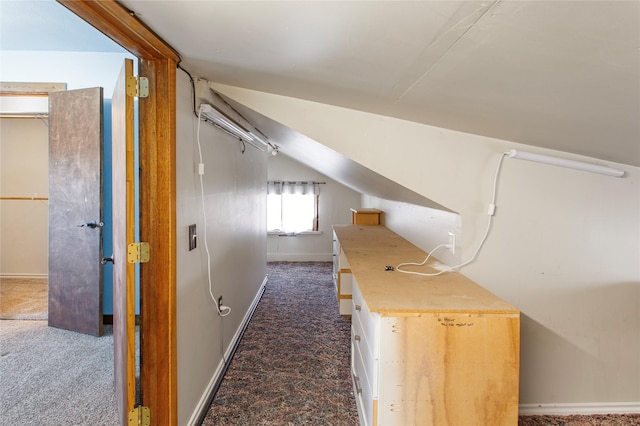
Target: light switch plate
(192, 237)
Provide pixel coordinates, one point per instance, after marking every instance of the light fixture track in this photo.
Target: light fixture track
(220, 119)
(563, 162)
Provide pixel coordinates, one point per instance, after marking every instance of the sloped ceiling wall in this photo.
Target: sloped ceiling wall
(331, 163)
(553, 74)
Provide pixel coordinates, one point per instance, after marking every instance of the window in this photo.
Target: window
(292, 207)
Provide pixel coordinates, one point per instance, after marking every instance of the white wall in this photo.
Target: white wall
(547, 255)
(423, 226)
(567, 248)
(564, 247)
(24, 172)
(25, 167)
(235, 200)
(335, 202)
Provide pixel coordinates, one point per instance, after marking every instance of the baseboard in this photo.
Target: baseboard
(299, 257)
(28, 276)
(202, 407)
(579, 408)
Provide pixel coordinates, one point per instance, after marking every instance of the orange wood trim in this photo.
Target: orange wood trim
(158, 228)
(374, 416)
(119, 24)
(157, 199)
(130, 238)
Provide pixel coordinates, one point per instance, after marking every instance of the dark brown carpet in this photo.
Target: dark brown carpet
(292, 365)
(575, 420)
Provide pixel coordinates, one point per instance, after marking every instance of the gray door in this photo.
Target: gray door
(75, 210)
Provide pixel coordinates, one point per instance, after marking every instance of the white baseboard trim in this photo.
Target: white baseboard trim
(580, 408)
(299, 257)
(203, 404)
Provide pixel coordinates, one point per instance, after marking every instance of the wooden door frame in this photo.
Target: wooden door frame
(157, 124)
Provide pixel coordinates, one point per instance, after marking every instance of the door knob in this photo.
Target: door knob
(106, 260)
(93, 224)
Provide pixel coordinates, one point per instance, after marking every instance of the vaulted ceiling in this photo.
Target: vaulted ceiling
(563, 75)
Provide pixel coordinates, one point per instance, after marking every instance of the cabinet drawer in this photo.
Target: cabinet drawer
(368, 320)
(361, 387)
(359, 343)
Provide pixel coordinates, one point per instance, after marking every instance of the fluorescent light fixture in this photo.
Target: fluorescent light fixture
(225, 122)
(258, 142)
(231, 126)
(561, 162)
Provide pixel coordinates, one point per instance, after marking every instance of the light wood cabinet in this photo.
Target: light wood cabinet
(365, 216)
(426, 350)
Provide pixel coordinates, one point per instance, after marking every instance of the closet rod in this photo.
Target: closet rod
(25, 198)
(43, 116)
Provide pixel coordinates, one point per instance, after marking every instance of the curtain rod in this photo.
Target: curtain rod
(43, 115)
(297, 181)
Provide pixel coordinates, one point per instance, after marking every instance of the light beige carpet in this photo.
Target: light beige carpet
(23, 298)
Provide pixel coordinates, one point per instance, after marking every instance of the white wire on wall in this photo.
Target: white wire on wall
(491, 211)
(223, 311)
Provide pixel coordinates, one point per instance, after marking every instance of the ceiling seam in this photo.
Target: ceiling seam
(428, 70)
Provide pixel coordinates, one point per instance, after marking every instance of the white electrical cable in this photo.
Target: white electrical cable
(223, 311)
(419, 264)
(491, 211)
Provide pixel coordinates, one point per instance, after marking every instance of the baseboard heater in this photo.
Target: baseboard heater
(205, 407)
(583, 409)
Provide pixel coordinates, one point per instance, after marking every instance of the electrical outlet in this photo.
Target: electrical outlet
(452, 242)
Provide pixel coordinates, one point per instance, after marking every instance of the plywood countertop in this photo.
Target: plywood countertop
(369, 249)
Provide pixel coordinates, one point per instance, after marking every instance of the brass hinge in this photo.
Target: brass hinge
(138, 86)
(138, 253)
(140, 416)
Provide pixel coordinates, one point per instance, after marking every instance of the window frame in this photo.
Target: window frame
(315, 222)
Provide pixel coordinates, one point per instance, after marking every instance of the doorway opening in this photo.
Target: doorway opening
(59, 65)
